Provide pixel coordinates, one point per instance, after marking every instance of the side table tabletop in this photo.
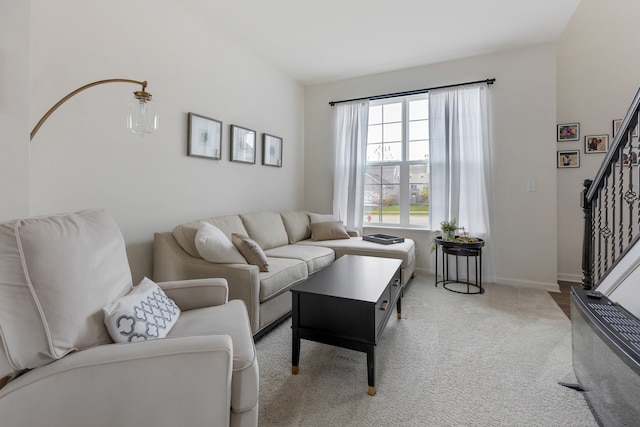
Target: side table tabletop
(460, 248)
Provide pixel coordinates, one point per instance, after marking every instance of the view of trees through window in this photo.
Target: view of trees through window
(397, 172)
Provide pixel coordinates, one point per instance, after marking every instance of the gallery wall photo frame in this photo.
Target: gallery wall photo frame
(243, 144)
(616, 126)
(271, 150)
(628, 158)
(568, 159)
(204, 137)
(596, 144)
(568, 132)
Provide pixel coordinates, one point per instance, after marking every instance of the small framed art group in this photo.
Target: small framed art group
(568, 158)
(593, 144)
(204, 140)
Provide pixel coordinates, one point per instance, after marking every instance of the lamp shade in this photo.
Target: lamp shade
(142, 116)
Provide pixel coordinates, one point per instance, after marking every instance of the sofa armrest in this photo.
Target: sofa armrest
(353, 233)
(157, 382)
(171, 263)
(197, 293)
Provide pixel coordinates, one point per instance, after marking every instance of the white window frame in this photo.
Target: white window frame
(404, 164)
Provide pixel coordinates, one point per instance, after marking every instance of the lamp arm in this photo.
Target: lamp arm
(80, 89)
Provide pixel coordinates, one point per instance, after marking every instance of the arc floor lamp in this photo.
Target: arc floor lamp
(141, 118)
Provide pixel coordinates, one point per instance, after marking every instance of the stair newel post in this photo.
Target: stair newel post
(587, 244)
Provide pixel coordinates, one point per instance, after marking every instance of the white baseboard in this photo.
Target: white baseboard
(549, 287)
(565, 277)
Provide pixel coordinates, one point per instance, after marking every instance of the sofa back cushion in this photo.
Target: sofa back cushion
(315, 217)
(56, 274)
(297, 225)
(185, 234)
(266, 228)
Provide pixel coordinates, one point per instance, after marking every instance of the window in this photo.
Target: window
(396, 184)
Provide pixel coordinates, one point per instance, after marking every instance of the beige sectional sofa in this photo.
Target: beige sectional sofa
(292, 254)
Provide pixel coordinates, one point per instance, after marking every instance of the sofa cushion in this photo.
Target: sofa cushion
(145, 313)
(56, 274)
(329, 230)
(227, 319)
(251, 251)
(316, 257)
(297, 225)
(266, 228)
(214, 246)
(283, 274)
(356, 246)
(185, 234)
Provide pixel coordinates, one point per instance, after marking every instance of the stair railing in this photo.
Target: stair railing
(611, 203)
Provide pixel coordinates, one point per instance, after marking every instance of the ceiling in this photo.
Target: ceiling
(327, 40)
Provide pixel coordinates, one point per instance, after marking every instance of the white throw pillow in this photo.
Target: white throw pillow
(214, 246)
(145, 313)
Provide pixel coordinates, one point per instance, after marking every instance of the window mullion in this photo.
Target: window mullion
(404, 168)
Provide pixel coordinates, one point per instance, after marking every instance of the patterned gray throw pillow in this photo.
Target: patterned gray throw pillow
(145, 313)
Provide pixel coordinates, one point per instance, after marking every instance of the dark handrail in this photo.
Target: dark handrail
(611, 204)
(630, 121)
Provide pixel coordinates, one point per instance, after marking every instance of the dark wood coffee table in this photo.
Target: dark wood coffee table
(347, 304)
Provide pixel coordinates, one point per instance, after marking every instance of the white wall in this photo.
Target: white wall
(14, 109)
(83, 157)
(523, 130)
(598, 75)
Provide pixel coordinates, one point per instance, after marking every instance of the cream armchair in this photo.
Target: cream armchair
(60, 367)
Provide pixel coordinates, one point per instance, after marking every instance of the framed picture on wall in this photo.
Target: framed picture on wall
(243, 144)
(596, 144)
(271, 150)
(628, 158)
(204, 137)
(569, 132)
(616, 126)
(568, 159)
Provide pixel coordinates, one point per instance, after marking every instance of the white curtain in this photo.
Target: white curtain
(461, 164)
(350, 125)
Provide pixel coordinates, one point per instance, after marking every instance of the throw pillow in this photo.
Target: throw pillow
(330, 230)
(145, 313)
(252, 252)
(214, 246)
(314, 217)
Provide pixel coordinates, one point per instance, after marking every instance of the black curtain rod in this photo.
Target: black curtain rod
(411, 92)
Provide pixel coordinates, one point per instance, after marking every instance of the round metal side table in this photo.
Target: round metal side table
(457, 249)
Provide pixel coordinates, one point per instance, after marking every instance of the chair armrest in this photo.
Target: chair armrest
(174, 381)
(197, 293)
(171, 262)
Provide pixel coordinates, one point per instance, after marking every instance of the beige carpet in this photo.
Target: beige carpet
(453, 360)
